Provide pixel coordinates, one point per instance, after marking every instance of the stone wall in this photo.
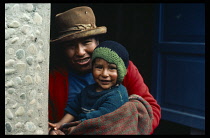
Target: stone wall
(27, 34)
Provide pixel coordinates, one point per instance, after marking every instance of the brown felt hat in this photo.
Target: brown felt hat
(76, 23)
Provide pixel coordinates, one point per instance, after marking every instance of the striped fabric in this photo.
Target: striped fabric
(132, 118)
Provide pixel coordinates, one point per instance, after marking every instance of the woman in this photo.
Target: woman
(78, 37)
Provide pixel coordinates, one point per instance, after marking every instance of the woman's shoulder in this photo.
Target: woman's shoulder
(59, 72)
(131, 65)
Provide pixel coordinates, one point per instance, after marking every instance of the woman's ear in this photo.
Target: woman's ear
(97, 42)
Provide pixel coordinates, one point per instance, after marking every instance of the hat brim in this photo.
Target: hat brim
(80, 34)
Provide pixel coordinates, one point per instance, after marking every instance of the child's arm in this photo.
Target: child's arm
(112, 102)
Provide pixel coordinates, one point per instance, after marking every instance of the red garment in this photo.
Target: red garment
(133, 81)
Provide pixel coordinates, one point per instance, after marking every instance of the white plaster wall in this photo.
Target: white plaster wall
(27, 35)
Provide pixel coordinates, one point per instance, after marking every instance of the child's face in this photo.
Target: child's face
(105, 74)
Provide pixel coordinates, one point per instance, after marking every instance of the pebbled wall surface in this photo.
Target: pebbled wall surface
(27, 35)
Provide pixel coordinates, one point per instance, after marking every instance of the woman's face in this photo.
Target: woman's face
(104, 73)
(79, 53)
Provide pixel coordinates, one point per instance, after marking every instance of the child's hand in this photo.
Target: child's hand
(67, 128)
(67, 131)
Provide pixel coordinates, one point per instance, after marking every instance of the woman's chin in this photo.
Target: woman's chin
(84, 69)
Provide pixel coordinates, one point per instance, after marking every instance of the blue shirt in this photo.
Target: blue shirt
(77, 83)
(91, 104)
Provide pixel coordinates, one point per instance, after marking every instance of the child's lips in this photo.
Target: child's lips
(105, 82)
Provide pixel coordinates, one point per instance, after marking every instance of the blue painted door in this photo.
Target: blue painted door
(179, 63)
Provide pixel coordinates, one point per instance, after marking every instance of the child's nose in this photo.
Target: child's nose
(105, 73)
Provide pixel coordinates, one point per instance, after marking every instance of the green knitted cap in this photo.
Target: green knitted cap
(111, 57)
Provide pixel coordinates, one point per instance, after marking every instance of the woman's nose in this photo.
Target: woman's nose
(80, 50)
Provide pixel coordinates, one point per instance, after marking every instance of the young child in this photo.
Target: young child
(109, 66)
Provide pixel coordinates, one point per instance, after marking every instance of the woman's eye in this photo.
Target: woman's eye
(69, 46)
(86, 42)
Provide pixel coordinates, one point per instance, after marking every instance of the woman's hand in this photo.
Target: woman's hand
(56, 132)
(54, 129)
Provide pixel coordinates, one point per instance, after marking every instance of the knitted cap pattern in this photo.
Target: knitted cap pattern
(115, 53)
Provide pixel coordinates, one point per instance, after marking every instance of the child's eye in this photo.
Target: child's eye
(113, 68)
(98, 67)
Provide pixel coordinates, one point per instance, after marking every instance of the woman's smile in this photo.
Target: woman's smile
(82, 61)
